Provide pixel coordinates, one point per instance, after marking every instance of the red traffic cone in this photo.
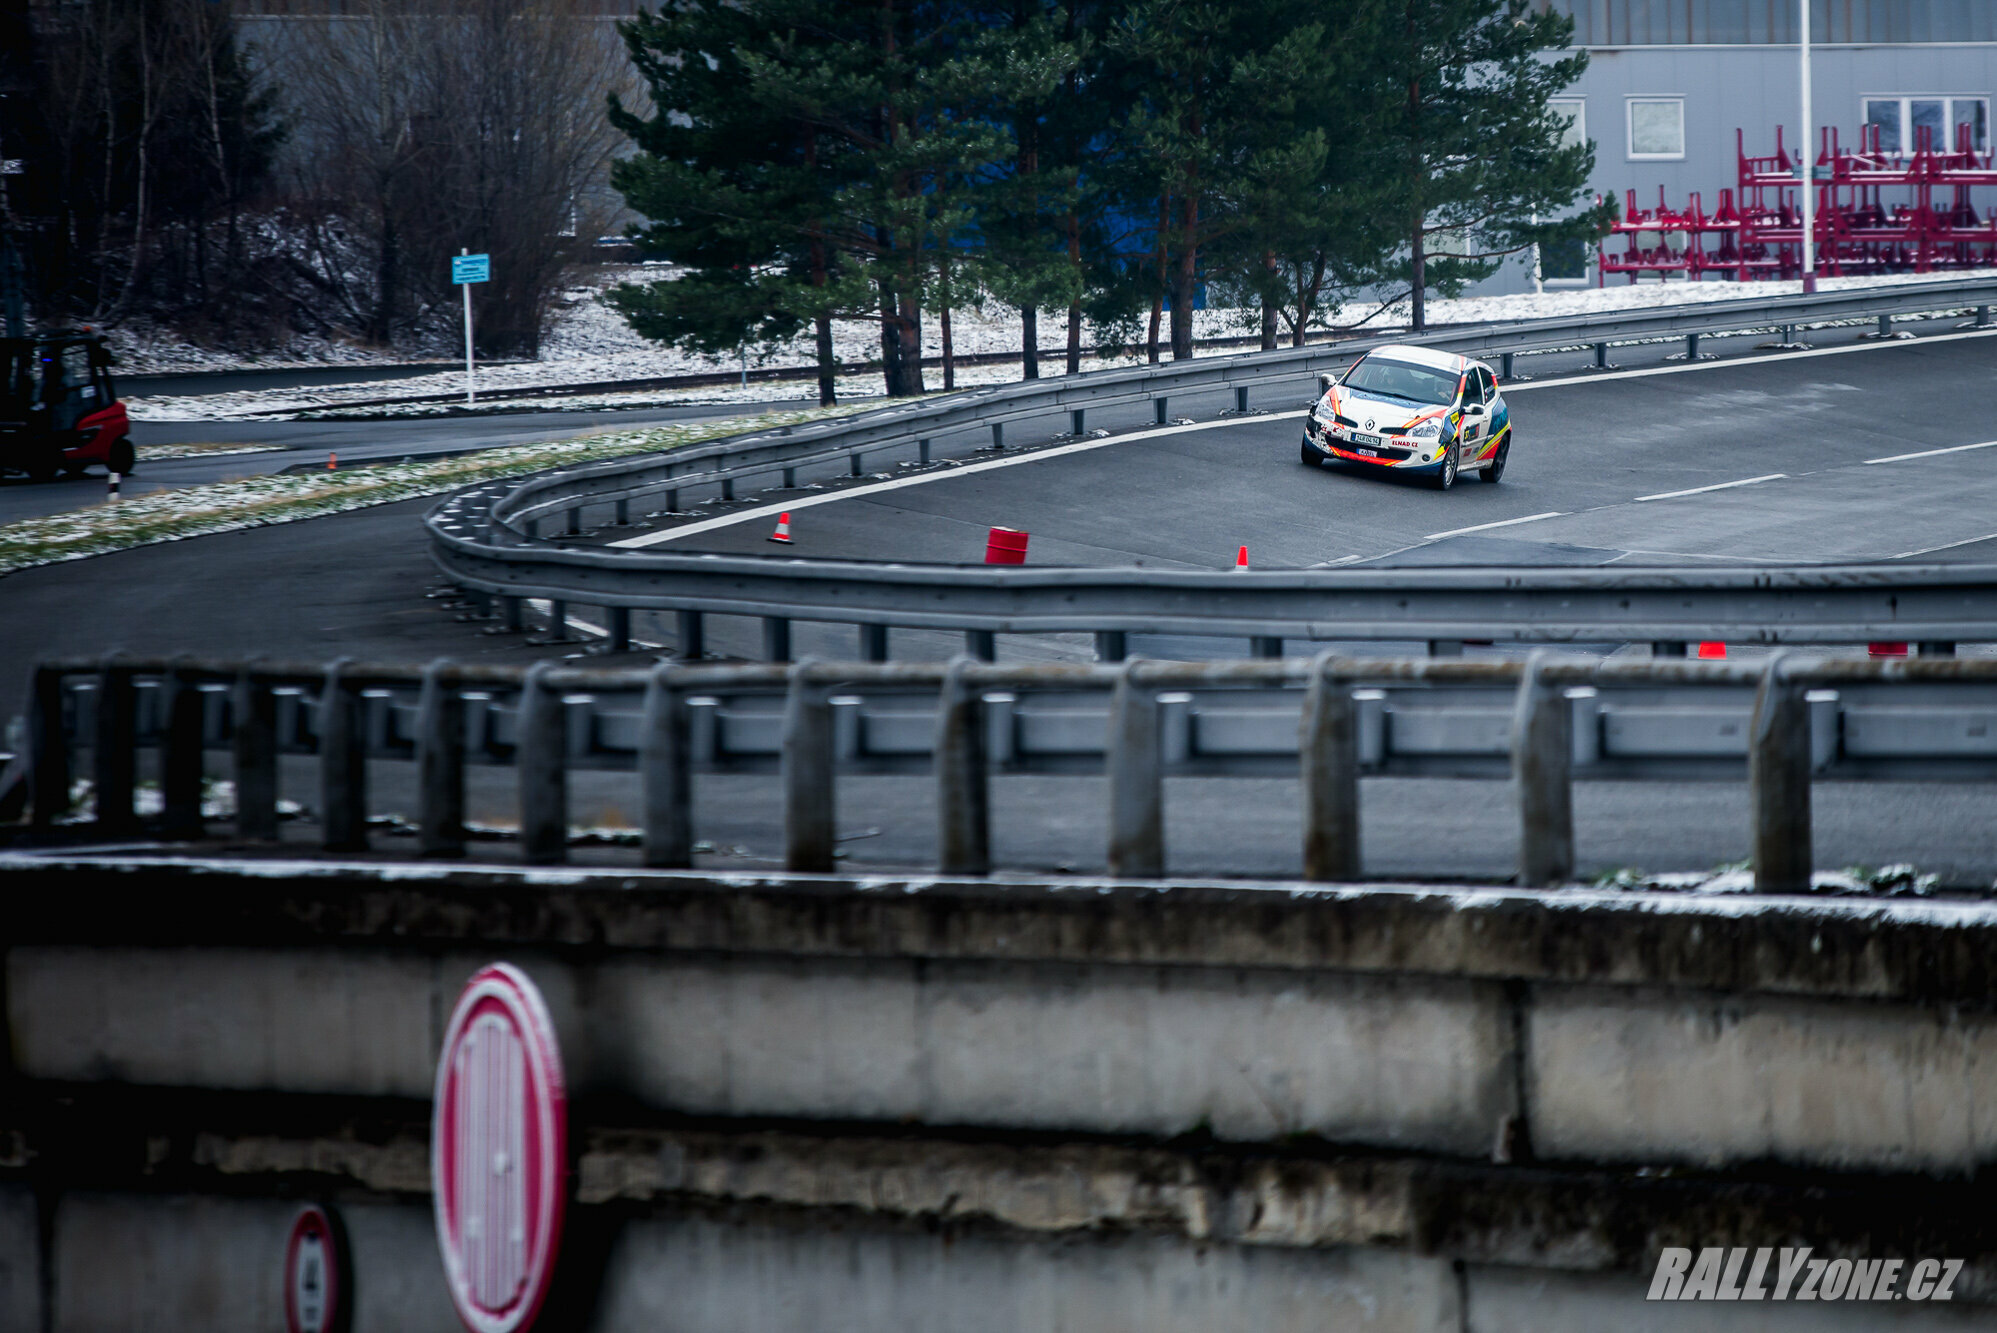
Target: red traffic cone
(1711, 649)
(332, 462)
(1241, 558)
(782, 534)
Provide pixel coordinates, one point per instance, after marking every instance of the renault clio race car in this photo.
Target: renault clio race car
(1411, 410)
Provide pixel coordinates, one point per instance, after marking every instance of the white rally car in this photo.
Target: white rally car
(1408, 409)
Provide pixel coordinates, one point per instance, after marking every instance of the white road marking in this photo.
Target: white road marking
(1931, 453)
(1584, 378)
(1945, 546)
(1718, 486)
(1501, 523)
(923, 479)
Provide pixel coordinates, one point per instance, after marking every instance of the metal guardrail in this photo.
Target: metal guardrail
(486, 539)
(1542, 723)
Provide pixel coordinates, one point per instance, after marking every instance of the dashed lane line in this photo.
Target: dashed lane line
(1501, 523)
(1717, 486)
(1931, 453)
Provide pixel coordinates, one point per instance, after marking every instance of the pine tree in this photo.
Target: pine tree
(1473, 153)
(1218, 87)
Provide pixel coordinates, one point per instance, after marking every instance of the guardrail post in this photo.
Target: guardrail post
(1788, 334)
(790, 479)
(542, 760)
(1934, 648)
(533, 528)
(1542, 774)
(776, 639)
(810, 828)
(922, 451)
(998, 435)
(440, 765)
(255, 751)
(1667, 648)
(1136, 779)
(1691, 347)
(115, 754)
(1601, 356)
(618, 623)
(1328, 750)
(1778, 781)
(692, 636)
(1078, 419)
(48, 745)
(1158, 406)
(1886, 326)
(673, 499)
(1445, 647)
(1265, 645)
(1241, 398)
(963, 810)
(666, 773)
(873, 643)
(558, 621)
(1112, 645)
(513, 611)
(574, 526)
(1983, 317)
(1505, 365)
(624, 512)
(728, 488)
(342, 764)
(854, 459)
(981, 644)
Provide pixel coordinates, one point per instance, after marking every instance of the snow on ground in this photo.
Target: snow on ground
(589, 342)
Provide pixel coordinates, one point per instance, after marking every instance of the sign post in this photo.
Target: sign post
(466, 269)
(498, 1151)
(1804, 163)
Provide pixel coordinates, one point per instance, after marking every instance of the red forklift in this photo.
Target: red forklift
(59, 409)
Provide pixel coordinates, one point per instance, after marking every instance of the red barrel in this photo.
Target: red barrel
(1005, 546)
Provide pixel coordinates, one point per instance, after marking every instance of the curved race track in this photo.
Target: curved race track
(1856, 453)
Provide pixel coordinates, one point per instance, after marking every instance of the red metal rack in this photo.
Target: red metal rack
(1876, 212)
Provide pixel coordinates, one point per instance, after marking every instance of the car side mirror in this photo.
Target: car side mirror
(1473, 409)
(1326, 381)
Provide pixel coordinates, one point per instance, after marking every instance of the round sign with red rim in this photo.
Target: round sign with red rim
(498, 1151)
(314, 1296)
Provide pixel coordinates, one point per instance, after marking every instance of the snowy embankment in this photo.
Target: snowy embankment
(590, 343)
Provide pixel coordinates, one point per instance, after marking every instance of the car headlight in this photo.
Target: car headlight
(1428, 430)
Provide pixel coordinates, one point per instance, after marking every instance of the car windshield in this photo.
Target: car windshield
(1399, 379)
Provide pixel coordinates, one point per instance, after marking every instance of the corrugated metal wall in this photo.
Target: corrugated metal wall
(1689, 22)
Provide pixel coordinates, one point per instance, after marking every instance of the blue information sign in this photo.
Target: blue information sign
(471, 268)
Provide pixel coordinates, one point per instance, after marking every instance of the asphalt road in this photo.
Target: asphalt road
(1589, 452)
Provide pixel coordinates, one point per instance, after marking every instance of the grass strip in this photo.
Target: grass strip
(250, 502)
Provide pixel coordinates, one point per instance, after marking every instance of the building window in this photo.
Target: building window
(1574, 111)
(1656, 128)
(1902, 120)
(1563, 262)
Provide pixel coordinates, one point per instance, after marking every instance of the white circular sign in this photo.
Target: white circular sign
(498, 1151)
(314, 1296)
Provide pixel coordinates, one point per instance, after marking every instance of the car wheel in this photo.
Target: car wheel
(1497, 468)
(1312, 458)
(123, 457)
(43, 463)
(1445, 476)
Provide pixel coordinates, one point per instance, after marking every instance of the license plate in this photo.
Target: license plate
(1357, 438)
(1367, 453)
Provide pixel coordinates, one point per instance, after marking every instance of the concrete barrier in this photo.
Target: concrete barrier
(816, 1102)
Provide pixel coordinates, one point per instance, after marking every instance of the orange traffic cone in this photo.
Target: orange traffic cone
(1888, 648)
(332, 462)
(1711, 649)
(1241, 558)
(782, 534)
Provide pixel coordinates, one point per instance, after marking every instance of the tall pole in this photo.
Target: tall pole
(1808, 164)
(471, 394)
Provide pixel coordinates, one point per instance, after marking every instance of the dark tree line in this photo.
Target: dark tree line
(319, 181)
(813, 161)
